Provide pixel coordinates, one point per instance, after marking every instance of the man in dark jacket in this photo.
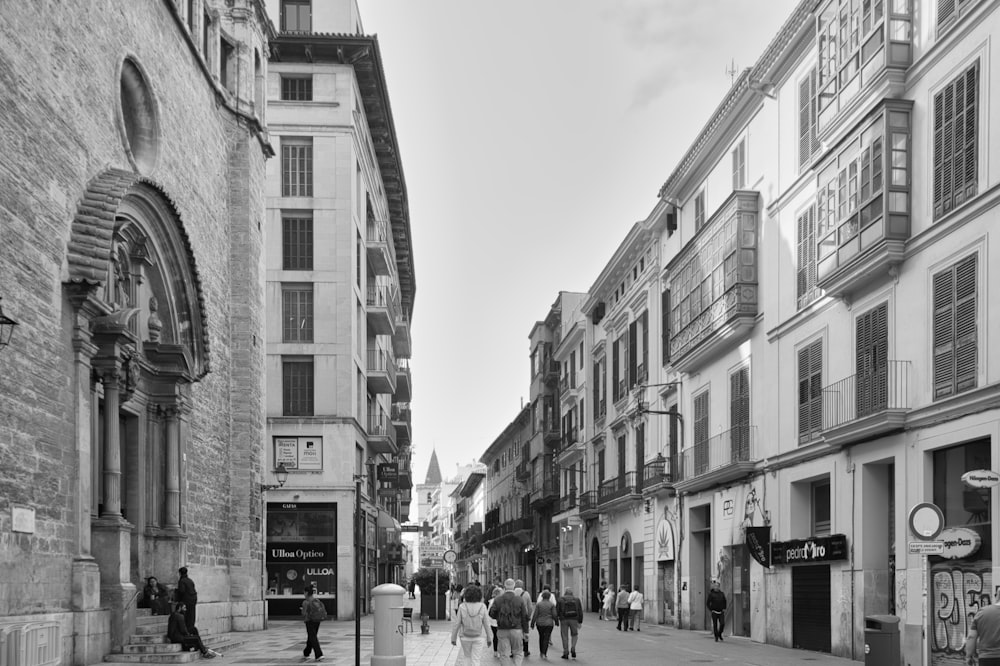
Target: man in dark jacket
(716, 603)
(177, 632)
(187, 595)
(569, 610)
(512, 624)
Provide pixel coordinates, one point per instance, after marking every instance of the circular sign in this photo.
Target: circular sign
(450, 556)
(926, 521)
(981, 478)
(959, 542)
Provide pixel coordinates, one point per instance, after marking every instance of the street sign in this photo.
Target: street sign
(432, 562)
(425, 528)
(926, 521)
(926, 547)
(450, 556)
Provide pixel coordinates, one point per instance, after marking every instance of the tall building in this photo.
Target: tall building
(131, 392)
(339, 291)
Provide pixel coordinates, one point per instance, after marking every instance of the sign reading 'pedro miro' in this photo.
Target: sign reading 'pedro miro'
(815, 549)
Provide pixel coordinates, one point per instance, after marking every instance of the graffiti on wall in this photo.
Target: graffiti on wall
(958, 591)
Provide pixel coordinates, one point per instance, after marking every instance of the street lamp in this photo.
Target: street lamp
(642, 406)
(281, 474)
(6, 328)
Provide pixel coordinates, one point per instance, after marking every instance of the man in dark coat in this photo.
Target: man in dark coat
(716, 603)
(187, 595)
(178, 632)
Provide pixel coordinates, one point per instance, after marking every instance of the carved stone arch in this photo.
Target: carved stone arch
(129, 251)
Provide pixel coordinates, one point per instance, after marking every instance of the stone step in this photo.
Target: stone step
(151, 648)
(170, 653)
(152, 628)
(147, 639)
(144, 620)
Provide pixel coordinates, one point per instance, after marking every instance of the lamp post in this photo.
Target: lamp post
(358, 540)
(281, 474)
(6, 328)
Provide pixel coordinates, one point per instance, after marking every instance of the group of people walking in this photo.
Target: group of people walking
(626, 604)
(509, 615)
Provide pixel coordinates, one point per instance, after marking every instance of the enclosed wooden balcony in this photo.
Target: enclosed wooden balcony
(713, 284)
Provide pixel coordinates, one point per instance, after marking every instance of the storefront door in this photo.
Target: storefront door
(811, 607)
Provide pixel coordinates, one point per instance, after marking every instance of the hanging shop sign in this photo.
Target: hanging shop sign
(815, 549)
(959, 542)
(388, 474)
(664, 541)
(758, 543)
(981, 478)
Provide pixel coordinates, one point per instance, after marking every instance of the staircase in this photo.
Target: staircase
(149, 644)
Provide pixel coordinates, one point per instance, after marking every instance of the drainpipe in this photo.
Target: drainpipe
(679, 559)
(851, 470)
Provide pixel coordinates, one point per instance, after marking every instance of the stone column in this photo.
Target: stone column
(112, 505)
(86, 576)
(172, 454)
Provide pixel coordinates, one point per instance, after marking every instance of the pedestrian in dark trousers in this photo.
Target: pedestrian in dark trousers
(178, 632)
(983, 641)
(569, 612)
(529, 609)
(544, 619)
(621, 604)
(717, 607)
(187, 595)
(313, 612)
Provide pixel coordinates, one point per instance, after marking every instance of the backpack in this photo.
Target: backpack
(472, 625)
(569, 609)
(506, 616)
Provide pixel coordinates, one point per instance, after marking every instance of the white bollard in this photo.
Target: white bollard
(387, 603)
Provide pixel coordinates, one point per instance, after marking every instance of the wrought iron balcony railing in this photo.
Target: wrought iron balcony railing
(620, 486)
(883, 391)
(725, 449)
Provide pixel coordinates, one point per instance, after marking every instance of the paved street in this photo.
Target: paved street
(600, 643)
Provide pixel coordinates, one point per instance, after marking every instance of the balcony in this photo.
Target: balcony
(381, 434)
(546, 493)
(377, 243)
(588, 504)
(522, 528)
(381, 371)
(617, 491)
(714, 284)
(522, 472)
(568, 502)
(863, 203)
(401, 342)
(865, 406)
(658, 475)
(403, 386)
(401, 420)
(550, 431)
(726, 457)
(550, 372)
(382, 309)
(569, 439)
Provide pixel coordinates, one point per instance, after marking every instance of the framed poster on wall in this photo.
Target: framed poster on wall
(299, 453)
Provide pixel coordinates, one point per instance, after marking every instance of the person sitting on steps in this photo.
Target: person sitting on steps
(177, 632)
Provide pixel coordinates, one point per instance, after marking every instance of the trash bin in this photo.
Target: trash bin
(881, 640)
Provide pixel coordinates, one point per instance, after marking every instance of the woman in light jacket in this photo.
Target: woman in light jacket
(471, 626)
(609, 603)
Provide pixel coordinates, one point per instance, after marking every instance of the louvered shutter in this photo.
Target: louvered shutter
(956, 159)
(944, 333)
(615, 355)
(739, 414)
(597, 388)
(701, 433)
(810, 363)
(644, 322)
(806, 274)
(945, 11)
(808, 137)
(872, 346)
(632, 355)
(965, 325)
(665, 325)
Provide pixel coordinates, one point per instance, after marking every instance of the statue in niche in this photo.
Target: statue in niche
(121, 281)
(154, 323)
(129, 374)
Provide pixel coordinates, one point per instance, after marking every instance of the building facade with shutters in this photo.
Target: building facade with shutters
(339, 292)
(131, 398)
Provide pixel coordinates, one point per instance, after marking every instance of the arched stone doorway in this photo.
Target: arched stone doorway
(140, 341)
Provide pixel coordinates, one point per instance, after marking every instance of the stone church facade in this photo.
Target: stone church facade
(131, 395)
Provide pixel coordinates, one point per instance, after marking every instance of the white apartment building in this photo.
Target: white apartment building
(339, 292)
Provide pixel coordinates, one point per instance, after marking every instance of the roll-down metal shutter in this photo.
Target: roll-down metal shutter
(811, 607)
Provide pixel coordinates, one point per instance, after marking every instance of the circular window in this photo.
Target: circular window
(141, 129)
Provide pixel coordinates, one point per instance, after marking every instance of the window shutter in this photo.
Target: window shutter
(644, 322)
(597, 389)
(810, 364)
(956, 158)
(632, 356)
(965, 324)
(945, 10)
(701, 456)
(943, 287)
(615, 355)
(808, 137)
(807, 257)
(739, 414)
(665, 325)
(870, 360)
(956, 347)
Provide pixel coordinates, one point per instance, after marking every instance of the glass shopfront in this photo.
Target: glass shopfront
(301, 551)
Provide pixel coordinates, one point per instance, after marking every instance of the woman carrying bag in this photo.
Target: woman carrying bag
(472, 626)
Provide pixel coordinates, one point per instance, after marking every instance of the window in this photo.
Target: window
(297, 242)
(961, 506)
(226, 51)
(297, 385)
(191, 14)
(949, 11)
(740, 165)
(297, 88)
(871, 362)
(296, 167)
(297, 313)
(808, 139)
(296, 16)
(806, 290)
(206, 30)
(739, 414)
(700, 433)
(810, 391)
(821, 508)
(956, 138)
(665, 326)
(955, 329)
(699, 210)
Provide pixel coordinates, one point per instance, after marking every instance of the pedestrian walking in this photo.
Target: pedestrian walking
(512, 624)
(635, 600)
(529, 609)
(189, 639)
(569, 612)
(608, 609)
(544, 619)
(621, 605)
(599, 595)
(472, 626)
(716, 603)
(313, 612)
(493, 622)
(187, 594)
(983, 641)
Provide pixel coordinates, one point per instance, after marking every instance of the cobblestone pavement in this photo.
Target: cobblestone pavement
(600, 643)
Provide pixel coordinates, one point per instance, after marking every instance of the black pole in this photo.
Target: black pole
(357, 571)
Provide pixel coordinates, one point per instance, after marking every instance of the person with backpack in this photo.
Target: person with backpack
(313, 612)
(529, 609)
(472, 625)
(569, 613)
(544, 619)
(512, 624)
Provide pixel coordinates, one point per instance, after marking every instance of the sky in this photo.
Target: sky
(533, 134)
